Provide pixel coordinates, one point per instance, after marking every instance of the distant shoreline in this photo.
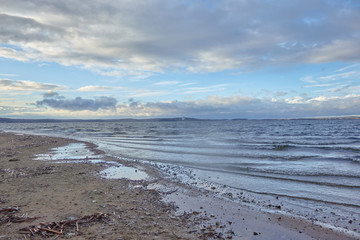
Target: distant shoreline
(175, 119)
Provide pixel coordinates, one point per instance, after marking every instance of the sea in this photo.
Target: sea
(304, 168)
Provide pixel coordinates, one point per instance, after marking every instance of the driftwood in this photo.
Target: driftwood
(62, 227)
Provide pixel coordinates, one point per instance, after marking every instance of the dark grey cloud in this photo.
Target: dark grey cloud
(52, 95)
(138, 36)
(15, 29)
(77, 104)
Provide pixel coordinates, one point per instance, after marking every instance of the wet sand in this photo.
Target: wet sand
(34, 192)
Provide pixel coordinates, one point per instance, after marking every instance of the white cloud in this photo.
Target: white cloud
(11, 53)
(119, 38)
(19, 85)
(348, 67)
(165, 83)
(339, 50)
(127, 92)
(340, 81)
(8, 75)
(146, 93)
(92, 88)
(338, 76)
(212, 88)
(295, 100)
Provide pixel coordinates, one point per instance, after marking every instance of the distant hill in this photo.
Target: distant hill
(178, 119)
(12, 120)
(334, 118)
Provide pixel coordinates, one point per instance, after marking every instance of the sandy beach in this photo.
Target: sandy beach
(70, 200)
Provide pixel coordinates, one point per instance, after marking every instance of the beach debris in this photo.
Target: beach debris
(9, 209)
(16, 219)
(208, 229)
(63, 227)
(9, 216)
(25, 172)
(14, 160)
(274, 206)
(170, 191)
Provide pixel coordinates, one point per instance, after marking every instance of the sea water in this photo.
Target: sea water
(308, 168)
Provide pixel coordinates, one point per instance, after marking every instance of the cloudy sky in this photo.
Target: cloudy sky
(174, 58)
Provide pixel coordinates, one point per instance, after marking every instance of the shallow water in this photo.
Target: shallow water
(79, 153)
(121, 171)
(72, 151)
(310, 168)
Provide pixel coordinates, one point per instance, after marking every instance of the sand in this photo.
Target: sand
(35, 194)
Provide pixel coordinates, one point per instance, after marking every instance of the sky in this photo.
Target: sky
(179, 58)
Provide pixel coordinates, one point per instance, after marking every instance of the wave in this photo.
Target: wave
(283, 147)
(244, 172)
(300, 198)
(215, 153)
(355, 160)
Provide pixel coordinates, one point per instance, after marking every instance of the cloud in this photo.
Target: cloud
(235, 106)
(213, 88)
(56, 101)
(340, 81)
(126, 91)
(348, 67)
(18, 85)
(21, 29)
(99, 88)
(339, 50)
(166, 83)
(238, 106)
(6, 111)
(52, 94)
(147, 93)
(10, 53)
(142, 37)
(8, 75)
(338, 76)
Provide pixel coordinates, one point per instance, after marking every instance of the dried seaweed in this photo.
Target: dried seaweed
(16, 219)
(9, 216)
(62, 227)
(9, 209)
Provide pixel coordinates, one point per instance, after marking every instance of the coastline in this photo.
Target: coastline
(48, 191)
